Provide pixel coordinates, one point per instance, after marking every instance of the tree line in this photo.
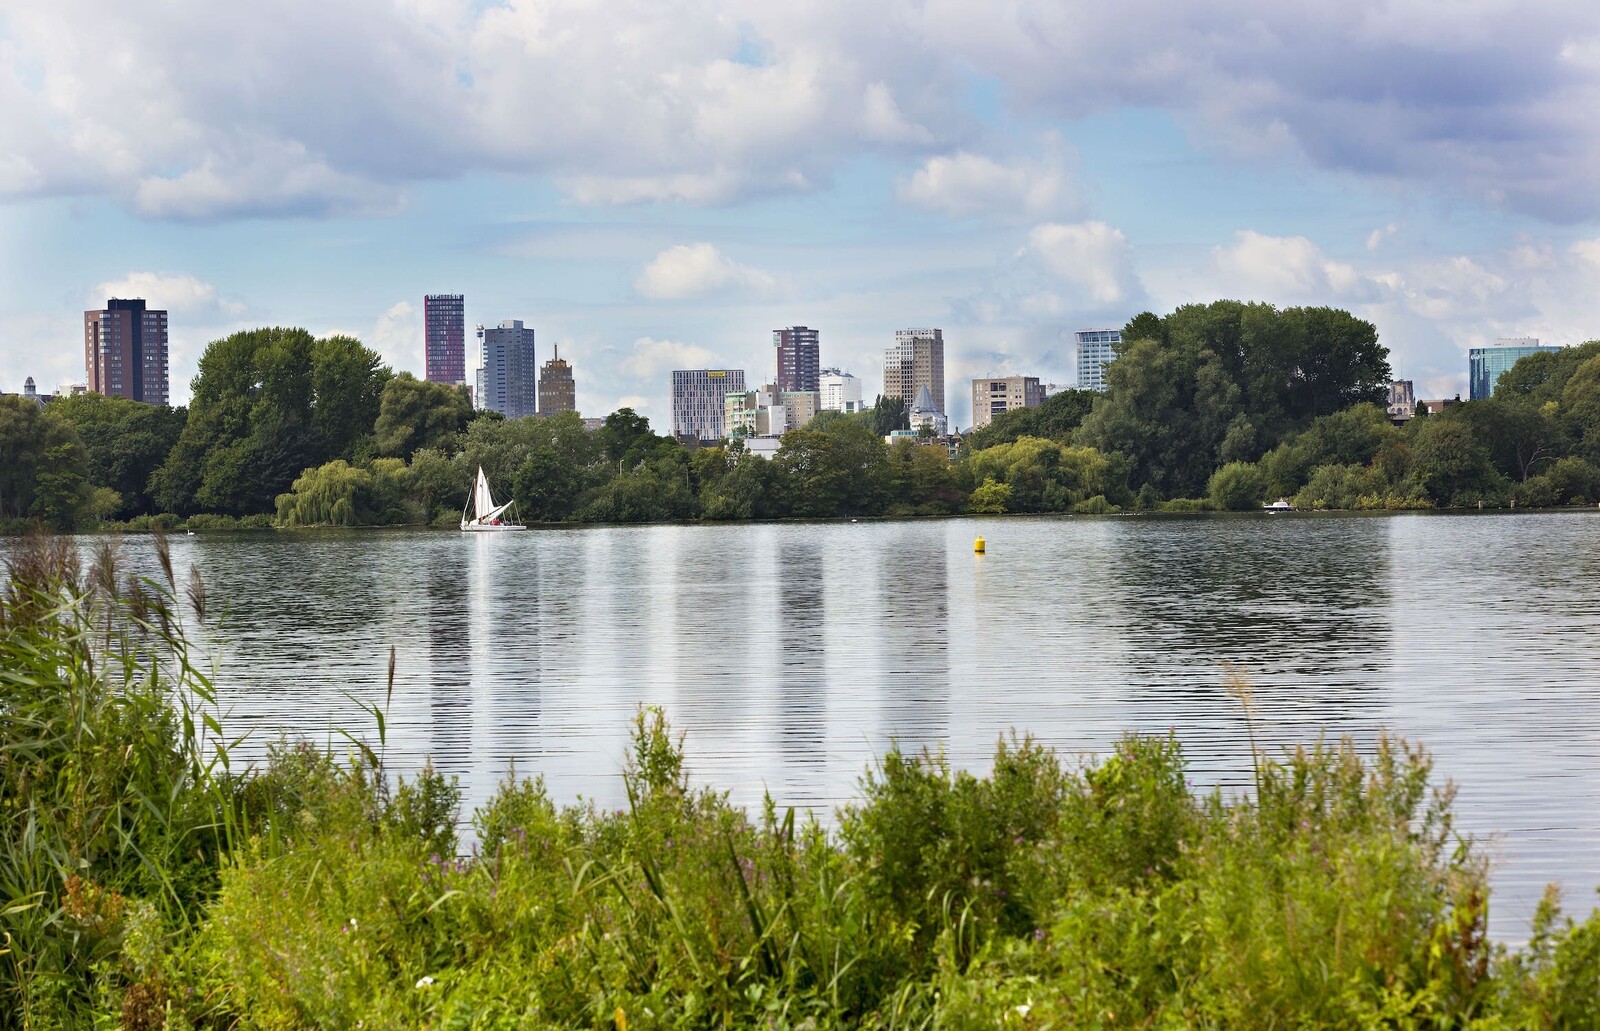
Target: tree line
(1212, 406)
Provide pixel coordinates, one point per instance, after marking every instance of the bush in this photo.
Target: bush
(1237, 487)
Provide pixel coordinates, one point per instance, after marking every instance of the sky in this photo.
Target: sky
(658, 184)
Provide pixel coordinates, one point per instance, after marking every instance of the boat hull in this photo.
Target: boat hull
(482, 528)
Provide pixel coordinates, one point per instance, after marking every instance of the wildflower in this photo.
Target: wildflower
(425, 981)
(1038, 934)
(1022, 1010)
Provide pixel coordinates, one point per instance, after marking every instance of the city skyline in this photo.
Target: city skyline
(1012, 178)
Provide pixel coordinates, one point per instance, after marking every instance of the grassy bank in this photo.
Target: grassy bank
(146, 883)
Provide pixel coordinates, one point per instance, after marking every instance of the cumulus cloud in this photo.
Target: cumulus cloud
(1287, 270)
(397, 335)
(179, 293)
(652, 359)
(966, 184)
(1090, 256)
(193, 110)
(699, 270)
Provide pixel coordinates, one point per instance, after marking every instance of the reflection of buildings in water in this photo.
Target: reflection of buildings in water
(802, 653)
(504, 647)
(913, 631)
(719, 613)
(447, 603)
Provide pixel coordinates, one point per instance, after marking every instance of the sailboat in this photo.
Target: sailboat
(485, 515)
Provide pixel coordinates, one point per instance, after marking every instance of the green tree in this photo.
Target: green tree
(837, 472)
(889, 414)
(1056, 419)
(1453, 467)
(990, 496)
(922, 480)
(124, 443)
(1351, 437)
(268, 404)
(414, 414)
(1237, 487)
(43, 469)
(1047, 476)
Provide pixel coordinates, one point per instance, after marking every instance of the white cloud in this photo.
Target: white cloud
(1377, 236)
(1286, 270)
(698, 270)
(1091, 256)
(965, 184)
(652, 359)
(177, 292)
(397, 335)
(187, 110)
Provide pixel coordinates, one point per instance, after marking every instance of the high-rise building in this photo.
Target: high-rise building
(1485, 364)
(916, 360)
(557, 392)
(993, 396)
(1096, 349)
(125, 351)
(507, 370)
(444, 320)
(841, 392)
(698, 398)
(798, 352)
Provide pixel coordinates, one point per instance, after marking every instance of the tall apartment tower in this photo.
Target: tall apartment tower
(997, 395)
(507, 370)
(444, 320)
(1096, 349)
(916, 360)
(698, 400)
(799, 357)
(557, 392)
(125, 351)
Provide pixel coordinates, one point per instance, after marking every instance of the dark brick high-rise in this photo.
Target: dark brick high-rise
(444, 319)
(799, 362)
(125, 351)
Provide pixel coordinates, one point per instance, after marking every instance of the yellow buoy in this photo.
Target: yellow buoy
(977, 546)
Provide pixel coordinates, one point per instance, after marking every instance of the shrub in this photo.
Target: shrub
(1237, 487)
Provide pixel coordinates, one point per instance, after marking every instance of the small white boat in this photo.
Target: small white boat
(486, 516)
(1281, 505)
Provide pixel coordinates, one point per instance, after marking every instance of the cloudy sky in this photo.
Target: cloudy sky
(657, 184)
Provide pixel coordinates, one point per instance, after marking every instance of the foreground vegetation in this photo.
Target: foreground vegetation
(147, 883)
(1213, 406)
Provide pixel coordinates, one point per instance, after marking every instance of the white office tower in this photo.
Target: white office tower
(1096, 349)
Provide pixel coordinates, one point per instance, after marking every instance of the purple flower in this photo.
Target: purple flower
(1038, 934)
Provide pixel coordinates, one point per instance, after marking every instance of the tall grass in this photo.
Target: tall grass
(148, 884)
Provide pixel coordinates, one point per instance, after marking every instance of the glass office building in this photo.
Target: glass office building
(1485, 364)
(1097, 348)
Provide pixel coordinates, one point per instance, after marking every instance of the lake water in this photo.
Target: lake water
(792, 654)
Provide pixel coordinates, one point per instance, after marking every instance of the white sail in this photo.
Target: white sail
(483, 501)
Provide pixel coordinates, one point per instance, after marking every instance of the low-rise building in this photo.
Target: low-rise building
(925, 413)
(754, 413)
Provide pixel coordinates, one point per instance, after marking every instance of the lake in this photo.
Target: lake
(791, 654)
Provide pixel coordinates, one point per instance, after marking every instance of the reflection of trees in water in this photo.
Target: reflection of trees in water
(1296, 597)
(713, 592)
(914, 607)
(802, 651)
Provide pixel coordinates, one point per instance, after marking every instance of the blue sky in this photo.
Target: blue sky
(657, 185)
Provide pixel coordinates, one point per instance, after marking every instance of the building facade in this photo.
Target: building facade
(801, 405)
(1402, 402)
(925, 414)
(557, 391)
(698, 397)
(840, 391)
(1485, 364)
(915, 361)
(999, 394)
(125, 351)
(1096, 349)
(507, 370)
(444, 322)
(755, 413)
(798, 351)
